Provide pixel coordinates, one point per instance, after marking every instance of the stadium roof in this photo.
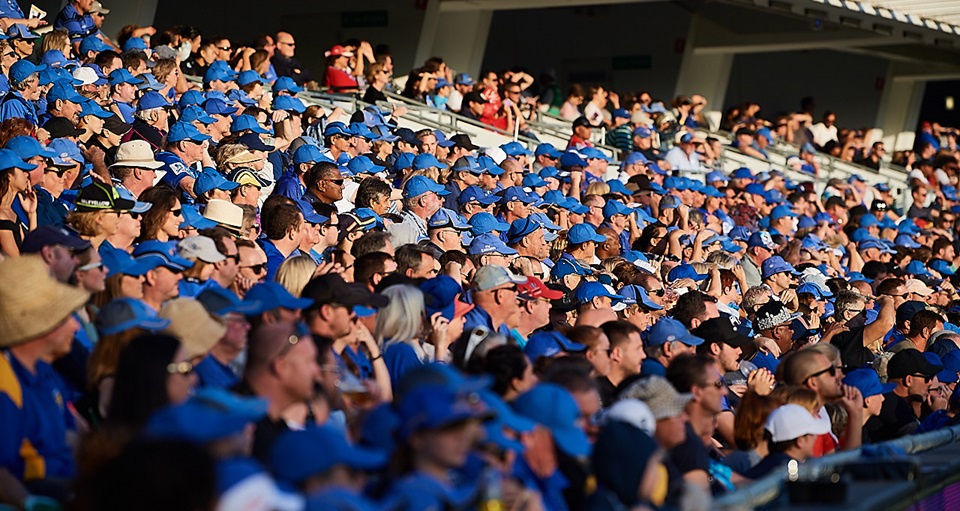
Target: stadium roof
(942, 15)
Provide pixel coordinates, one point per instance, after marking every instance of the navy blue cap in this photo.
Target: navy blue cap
(475, 193)
(521, 228)
(489, 244)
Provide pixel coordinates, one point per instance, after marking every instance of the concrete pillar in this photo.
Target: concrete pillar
(707, 75)
(460, 37)
(899, 110)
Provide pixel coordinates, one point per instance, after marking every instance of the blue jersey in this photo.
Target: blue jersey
(78, 25)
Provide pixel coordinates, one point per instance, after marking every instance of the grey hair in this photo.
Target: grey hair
(402, 319)
(847, 300)
(22, 85)
(722, 259)
(752, 296)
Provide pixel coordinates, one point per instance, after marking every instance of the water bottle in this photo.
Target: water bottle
(492, 499)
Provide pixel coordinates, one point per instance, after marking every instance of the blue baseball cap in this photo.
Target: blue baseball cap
(165, 252)
(670, 202)
(490, 165)
(210, 414)
(185, 131)
(549, 344)
(572, 159)
(781, 212)
(196, 113)
(119, 262)
(218, 73)
(9, 159)
(489, 244)
(134, 43)
(866, 380)
(813, 289)
(404, 161)
(587, 291)
(122, 314)
(642, 132)
(310, 215)
(544, 220)
(442, 139)
(533, 181)
(152, 100)
(475, 193)
(774, 265)
(299, 455)
(761, 239)
(868, 243)
(20, 31)
(286, 83)
(553, 407)
(419, 185)
(337, 128)
(639, 295)
(121, 75)
(447, 218)
(515, 148)
(904, 240)
(210, 179)
(23, 69)
(217, 106)
(669, 330)
(289, 104)
(547, 149)
(431, 407)
(27, 147)
(221, 301)
(272, 293)
(685, 271)
(191, 98)
(467, 164)
(192, 219)
(63, 91)
(614, 207)
(427, 160)
(309, 153)
(515, 193)
(483, 223)
(521, 228)
(246, 122)
(92, 43)
(582, 233)
(364, 165)
(248, 77)
(463, 79)
(443, 290)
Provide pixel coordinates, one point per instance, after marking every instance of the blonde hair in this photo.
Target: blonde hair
(797, 395)
(225, 154)
(57, 39)
(85, 222)
(402, 319)
(598, 188)
(294, 273)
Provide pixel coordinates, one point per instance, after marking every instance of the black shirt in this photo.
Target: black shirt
(852, 351)
(290, 67)
(373, 95)
(608, 391)
(691, 454)
(895, 420)
(267, 430)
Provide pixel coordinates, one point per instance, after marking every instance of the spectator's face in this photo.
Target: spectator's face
(269, 45)
(490, 80)
(428, 145)
(179, 385)
(165, 282)
(429, 268)
(126, 92)
(330, 231)
(9, 58)
(872, 404)
(710, 395)
(32, 92)
(224, 50)
(298, 370)
(131, 286)
(252, 264)
(448, 447)
(331, 188)
(729, 357)
(671, 432)
(237, 329)
(599, 356)
(631, 354)
(112, 66)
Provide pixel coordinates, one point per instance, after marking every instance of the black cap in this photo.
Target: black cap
(906, 310)
(254, 142)
(463, 141)
(48, 235)
(910, 362)
(114, 124)
(582, 121)
(331, 288)
(100, 197)
(721, 330)
(61, 127)
(474, 97)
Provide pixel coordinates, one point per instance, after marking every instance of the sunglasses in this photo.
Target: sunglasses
(135, 216)
(181, 368)
(926, 377)
(90, 266)
(256, 268)
(338, 182)
(832, 371)
(658, 292)
(222, 48)
(176, 212)
(235, 257)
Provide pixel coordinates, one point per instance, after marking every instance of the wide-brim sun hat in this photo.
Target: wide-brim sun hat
(32, 302)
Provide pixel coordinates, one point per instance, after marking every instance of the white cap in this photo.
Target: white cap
(634, 412)
(791, 421)
(136, 153)
(496, 153)
(199, 247)
(86, 75)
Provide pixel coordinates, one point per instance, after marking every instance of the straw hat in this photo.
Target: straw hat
(32, 302)
(225, 213)
(244, 156)
(197, 330)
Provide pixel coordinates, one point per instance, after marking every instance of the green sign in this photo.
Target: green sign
(363, 19)
(624, 62)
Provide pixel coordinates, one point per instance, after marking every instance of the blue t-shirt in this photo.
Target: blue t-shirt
(77, 25)
(11, 9)
(274, 257)
(175, 169)
(211, 373)
(400, 358)
(14, 105)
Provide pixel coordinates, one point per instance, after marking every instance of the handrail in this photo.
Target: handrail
(765, 490)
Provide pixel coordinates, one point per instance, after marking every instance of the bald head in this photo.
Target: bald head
(595, 317)
(265, 343)
(800, 365)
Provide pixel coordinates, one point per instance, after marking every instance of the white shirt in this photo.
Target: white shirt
(822, 134)
(680, 161)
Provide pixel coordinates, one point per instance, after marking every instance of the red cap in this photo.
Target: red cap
(338, 51)
(535, 288)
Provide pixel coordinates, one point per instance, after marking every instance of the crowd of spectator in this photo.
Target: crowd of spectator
(215, 296)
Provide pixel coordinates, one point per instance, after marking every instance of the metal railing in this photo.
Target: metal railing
(765, 490)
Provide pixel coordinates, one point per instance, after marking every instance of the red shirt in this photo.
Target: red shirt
(576, 142)
(338, 79)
